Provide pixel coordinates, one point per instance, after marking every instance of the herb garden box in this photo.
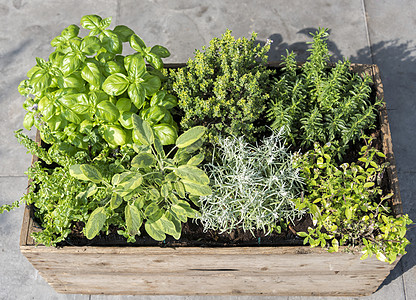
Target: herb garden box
(257, 270)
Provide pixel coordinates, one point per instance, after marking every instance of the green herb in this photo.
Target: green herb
(253, 186)
(224, 87)
(348, 206)
(316, 103)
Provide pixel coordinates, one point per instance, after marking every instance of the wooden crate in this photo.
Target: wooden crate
(289, 270)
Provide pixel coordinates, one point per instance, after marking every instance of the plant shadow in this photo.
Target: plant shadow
(397, 62)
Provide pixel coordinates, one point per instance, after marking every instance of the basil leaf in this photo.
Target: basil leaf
(28, 120)
(71, 116)
(160, 51)
(90, 45)
(137, 43)
(111, 67)
(107, 111)
(70, 32)
(116, 84)
(105, 23)
(137, 94)
(133, 219)
(111, 42)
(190, 136)
(91, 73)
(123, 32)
(95, 223)
(47, 108)
(74, 80)
(151, 84)
(82, 104)
(40, 80)
(154, 60)
(158, 98)
(135, 66)
(91, 22)
(154, 114)
(123, 104)
(166, 133)
(143, 130)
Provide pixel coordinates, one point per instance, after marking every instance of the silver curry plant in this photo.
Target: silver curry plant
(252, 186)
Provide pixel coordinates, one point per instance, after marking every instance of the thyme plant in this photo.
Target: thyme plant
(252, 186)
(225, 87)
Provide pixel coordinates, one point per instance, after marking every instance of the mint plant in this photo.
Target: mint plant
(86, 92)
(316, 103)
(224, 87)
(252, 186)
(348, 206)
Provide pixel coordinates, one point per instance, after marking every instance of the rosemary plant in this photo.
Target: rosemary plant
(252, 186)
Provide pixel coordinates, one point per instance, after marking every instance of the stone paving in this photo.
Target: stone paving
(366, 31)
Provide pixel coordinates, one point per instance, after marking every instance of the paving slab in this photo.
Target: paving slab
(183, 26)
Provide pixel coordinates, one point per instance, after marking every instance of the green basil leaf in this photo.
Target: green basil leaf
(192, 173)
(137, 43)
(169, 101)
(133, 219)
(86, 126)
(111, 67)
(143, 130)
(151, 84)
(115, 201)
(91, 73)
(91, 173)
(82, 104)
(143, 160)
(28, 120)
(190, 136)
(123, 32)
(166, 133)
(70, 32)
(158, 98)
(40, 80)
(90, 45)
(105, 23)
(160, 51)
(107, 111)
(116, 84)
(74, 80)
(196, 189)
(97, 97)
(154, 60)
(111, 42)
(135, 66)
(154, 114)
(70, 63)
(91, 22)
(123, 104)
(155, 231)
(71, 116)
(137, 94)
(95, 223)
(47, 108)
(114, 135)
(126, 120)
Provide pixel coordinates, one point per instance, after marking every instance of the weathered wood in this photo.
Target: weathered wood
(295, 270)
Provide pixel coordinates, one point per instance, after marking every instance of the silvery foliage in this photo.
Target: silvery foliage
(253, 186)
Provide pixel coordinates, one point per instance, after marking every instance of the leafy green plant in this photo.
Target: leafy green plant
(252, 186)
(316, 103)
(87, 92)
(348, 206)
(224, 87)
(156, 188)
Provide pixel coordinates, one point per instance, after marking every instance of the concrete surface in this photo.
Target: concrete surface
(366, 31)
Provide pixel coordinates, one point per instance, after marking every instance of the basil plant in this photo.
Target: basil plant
(155, 190)
(86, 92)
